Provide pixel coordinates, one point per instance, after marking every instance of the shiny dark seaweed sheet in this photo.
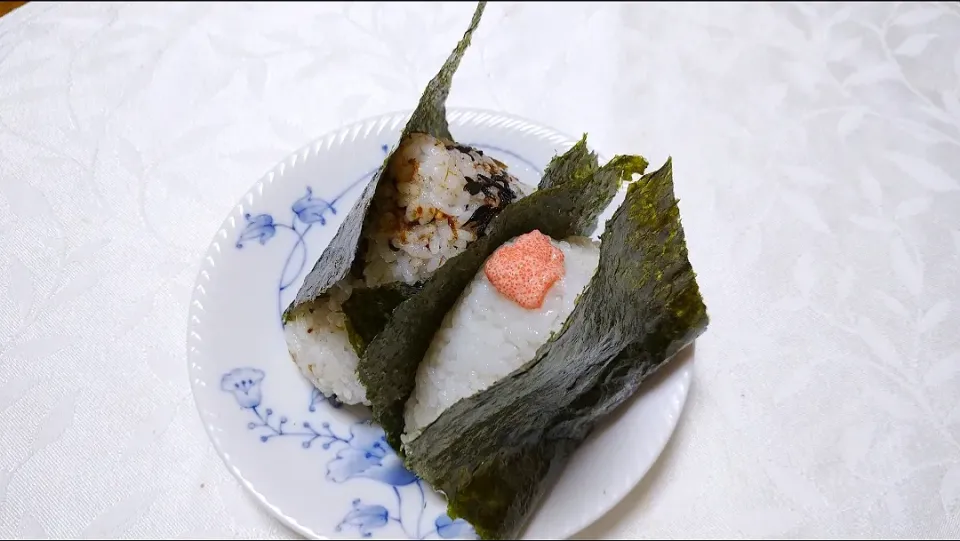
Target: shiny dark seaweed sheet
(430, 117)
(388, 367)
(369, 310)
(495, 454)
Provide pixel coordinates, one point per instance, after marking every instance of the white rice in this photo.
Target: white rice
(486, 336)
(317, 338)
(425, 212)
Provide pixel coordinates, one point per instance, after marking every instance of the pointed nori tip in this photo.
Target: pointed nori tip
(495, 453)
(576, 164)
(430, 115)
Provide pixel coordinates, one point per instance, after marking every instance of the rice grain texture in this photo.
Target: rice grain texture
(486, 336)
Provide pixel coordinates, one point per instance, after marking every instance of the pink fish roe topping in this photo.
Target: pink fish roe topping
(525, 270)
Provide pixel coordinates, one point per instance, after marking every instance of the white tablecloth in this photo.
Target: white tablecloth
(817, 154)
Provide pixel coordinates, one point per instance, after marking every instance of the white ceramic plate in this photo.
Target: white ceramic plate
(325, 471)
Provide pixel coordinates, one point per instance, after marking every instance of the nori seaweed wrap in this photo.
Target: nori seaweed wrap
(495, 452)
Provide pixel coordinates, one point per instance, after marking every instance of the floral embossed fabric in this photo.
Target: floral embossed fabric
(816, 152)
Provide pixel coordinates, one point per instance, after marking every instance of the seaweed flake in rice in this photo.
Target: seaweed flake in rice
(434, 200)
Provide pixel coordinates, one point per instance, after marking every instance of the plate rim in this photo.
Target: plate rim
(213, 254)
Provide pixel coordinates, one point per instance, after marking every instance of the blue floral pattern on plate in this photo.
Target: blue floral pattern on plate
(361, 452)
(361, 448)
(308, 211)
